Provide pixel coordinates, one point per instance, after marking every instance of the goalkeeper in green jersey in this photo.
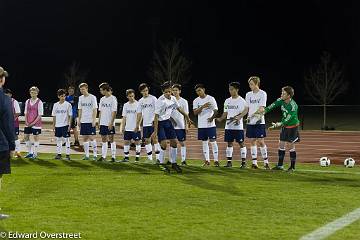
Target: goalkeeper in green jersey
(289, 124)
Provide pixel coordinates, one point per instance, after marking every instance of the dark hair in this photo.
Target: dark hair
(289, 90)
(176, 85)
(166, 85)
(235, 85)
(129, 91)
(71, 87)
(105, 86)
(8, 91)
(143, 86)
(199, 85)
(61, 92)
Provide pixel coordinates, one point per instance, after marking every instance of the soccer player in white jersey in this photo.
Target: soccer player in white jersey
(128, 125)
(146, 113)
(205, 107)
(17, 112)
(180, 125)
(255, 130)
(235, 108)
(107, 114)
(163, 128)
(62, 115)
(87, 117)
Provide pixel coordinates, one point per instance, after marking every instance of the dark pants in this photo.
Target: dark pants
(5, 162)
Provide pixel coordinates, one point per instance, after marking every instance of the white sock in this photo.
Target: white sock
(229, 153)
(67, 142)
(148, 149)
(58, 145)
(157, 149)
(36, 148)
(138, 150)
(254, 154)
(243, 153)
(161, 156)
(183, 153)
(104, 148)
(173, 154)
(113, 150)
(17, 146)
(87, 149)
(215, 150)
(126, 150)
(29, 147)
(264, 154)
(206, 150)
(94, 146)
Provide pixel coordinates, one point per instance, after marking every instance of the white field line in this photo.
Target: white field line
(330, 228)
(328, 171)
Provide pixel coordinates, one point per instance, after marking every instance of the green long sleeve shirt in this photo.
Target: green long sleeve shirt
(289, 112)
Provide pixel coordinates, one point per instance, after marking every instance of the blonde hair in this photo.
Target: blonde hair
(34, 88)
(83, 85)
(255, 79)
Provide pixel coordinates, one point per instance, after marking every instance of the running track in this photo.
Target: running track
(314, 144)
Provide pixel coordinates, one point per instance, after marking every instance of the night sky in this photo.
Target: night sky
(225, 40)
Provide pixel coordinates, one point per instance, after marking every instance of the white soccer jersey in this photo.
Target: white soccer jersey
(177, 116)
(207, 112)
(130, 112)
(255, 101)
(40, 108)
(164, 107)
(233, 107)
(107, 106)
(16, 107)
(147, 109)
(87, 106)
(62, 112)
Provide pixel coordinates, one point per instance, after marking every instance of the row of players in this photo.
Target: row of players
(164, 120)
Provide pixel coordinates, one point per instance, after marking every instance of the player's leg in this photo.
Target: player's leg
(281, 153)
(112, 147)
(67, 142)
(127, 141)
(183, 152)
(85, 133)
(58, 136)
(293, 138)
(75, 131)
(104, 143)
(27, 132)
(292, 153)
(253, 150)
(17, 143)
(229, 154)
(214, 145)
(205, 145)
(243, 151)
(147, 131)
(93, 144)
(251, 133)
(36, 135)
(137, 150)
(264, 152)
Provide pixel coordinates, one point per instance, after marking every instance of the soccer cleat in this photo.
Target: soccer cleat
(95, 158)
(254, 166)
(267, 166)
(277, 167)
(113, 160)
(34, 156)
(101, 159)
(125, 160)
(29, 155)
(164, 168)
(176, 167)
(58, 157)
(168, 163)
(216, 164)
(137, 160)
(228, 164)
(76, 143)
(206, 163)
(157, 162)
(291, 169)
(86, 158)
(67, 157)
(3, 216)
(243, 165)
(183, 163)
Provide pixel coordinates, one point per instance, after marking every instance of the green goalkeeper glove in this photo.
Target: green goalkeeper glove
(275, 125)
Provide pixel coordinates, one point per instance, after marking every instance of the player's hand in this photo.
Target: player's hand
(137, 128)
(190, 122)
(154, 136)
(275, 125)
(93, 124)
(110, 127)
(69, 128)
(210, 119)
(206, 105)
(218, 120)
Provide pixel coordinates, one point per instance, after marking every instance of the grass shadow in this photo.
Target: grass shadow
(19, 161)
(43, 163)
(76, 164)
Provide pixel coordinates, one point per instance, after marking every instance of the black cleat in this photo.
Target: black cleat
(137, 159)
(113, 160)
(58, 157)
(101, 159)
(277, 167)
(164, 168)
(206, 163)
(243, 165)
(67, 157)
(77, 144)
(254, 166)
(291, 170)
(183, 163)
(176, 167)
(216, 164)
(228, 164)
(267, 166)
(125, 160)
(168, 163)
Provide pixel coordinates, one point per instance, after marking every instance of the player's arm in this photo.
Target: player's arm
(94, 113)
(243, 113)
(123, 124)
(187, 118)
(156, 122)
(222, 118)
(198, 110)
(70, 116)
(272, 106)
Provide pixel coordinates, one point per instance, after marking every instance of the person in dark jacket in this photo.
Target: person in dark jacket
(7, 135)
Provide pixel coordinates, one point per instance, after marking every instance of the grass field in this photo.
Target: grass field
(137, 201)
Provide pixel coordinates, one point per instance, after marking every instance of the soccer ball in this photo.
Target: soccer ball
(324, 161)
(349, 162)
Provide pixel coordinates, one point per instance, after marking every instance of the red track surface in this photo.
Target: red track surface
(314, 144)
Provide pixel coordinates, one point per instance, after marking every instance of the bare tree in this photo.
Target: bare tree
(74, 75)
(325, 82)
(170, 64)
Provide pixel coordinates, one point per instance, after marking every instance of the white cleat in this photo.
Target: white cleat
(3, 216)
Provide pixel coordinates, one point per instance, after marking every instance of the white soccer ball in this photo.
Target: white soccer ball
(349, 162)
(324, 161)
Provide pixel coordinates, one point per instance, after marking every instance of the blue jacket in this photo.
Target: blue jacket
(7, 129)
